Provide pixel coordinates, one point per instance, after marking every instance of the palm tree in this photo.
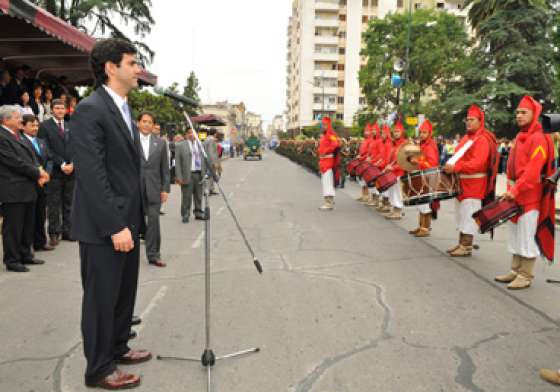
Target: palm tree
(481, 10)
(102, 13)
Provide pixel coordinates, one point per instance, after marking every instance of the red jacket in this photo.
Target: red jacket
(430, 154)
(328, 146)
(386, 149)
(475, 163)
(364, 148)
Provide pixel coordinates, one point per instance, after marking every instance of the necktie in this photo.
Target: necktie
(60, 128)
(196, 157)
(127, 119)
(36, 145)
(16, 135)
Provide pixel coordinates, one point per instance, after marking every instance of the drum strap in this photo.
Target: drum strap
(326, 156)
(472, 176)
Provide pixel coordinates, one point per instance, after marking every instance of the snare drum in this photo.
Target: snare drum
(495, 213)
(361, 168)
(385, 181)
(352, 165)
(425, 186)
(370, 175)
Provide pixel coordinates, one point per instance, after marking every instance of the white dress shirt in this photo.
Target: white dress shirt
(145, 142)
(195, 153)
(119, 101)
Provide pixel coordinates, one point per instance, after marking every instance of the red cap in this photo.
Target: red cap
(475, 111)
(399, 126)
(528, 102)
(376, 129)
(427, 126)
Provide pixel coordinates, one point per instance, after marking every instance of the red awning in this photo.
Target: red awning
(209, 119)
(32, 36)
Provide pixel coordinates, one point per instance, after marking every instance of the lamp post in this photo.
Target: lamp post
(406, 73)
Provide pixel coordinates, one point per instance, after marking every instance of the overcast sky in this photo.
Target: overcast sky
(237, 49)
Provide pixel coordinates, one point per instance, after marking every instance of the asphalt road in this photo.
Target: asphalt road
(348, 302)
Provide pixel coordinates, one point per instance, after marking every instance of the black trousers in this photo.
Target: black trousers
(109, 281)
(59, 204)
(17, 231)
(40, 237)
(153, 233)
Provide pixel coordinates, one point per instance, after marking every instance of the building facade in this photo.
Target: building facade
(240, 123)
(324, 44)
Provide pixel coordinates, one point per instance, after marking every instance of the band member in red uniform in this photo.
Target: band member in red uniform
(328, 163)
(362, 156)
(428, 159)
(395, 196)
(477, 173)
(385, 150)
(532, 232)
(373, 156)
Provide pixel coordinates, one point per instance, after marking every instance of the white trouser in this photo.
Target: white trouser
(327, 181)
(374, 191)
(361, 182)
(424, 208)
(395, 196)
(385, 194)
(463, 215)
(522, 235)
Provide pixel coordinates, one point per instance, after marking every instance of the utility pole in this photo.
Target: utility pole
(407, 64)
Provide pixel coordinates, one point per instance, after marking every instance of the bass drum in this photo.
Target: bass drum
(352, 165)
(370, 175)
(425, 186)
(385, 181)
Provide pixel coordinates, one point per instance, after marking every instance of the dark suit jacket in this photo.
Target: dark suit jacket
(107, 165)
(19, 172)
(60, 148)
(44, 159)
(156, 175)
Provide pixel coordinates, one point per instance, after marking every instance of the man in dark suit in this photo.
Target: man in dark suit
(19, 174)
(107, 214)
(40, 150)
(155, 181)
(190, 168)
(56, 134)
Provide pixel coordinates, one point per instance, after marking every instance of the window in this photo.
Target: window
(418, 6)
(341, 50)
(342, 34)
(316, 99)
(340, 116)
(331, 100)
(440, 5)
(341, 100)
(364, 19)
(341, 83)
(342, 2)
(374, 3)
(400, 4)
(365, 3)
(340, 67)
(362, 100)
(342, 18)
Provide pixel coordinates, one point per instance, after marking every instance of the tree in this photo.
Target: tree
(102, 13)
(438, 43)
(191, 90)
(482, 10)
(165, 109)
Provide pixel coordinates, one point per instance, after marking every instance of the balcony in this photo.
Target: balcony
(333, 74)
(323, 22)
(328, 90)
(331, 107)
(325, 56)
(326, 6)
(326, 40)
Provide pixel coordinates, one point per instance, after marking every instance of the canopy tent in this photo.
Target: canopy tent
(30, 35)
(210, 120)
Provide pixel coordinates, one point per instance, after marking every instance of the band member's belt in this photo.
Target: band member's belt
(472, 176)
(326, 156)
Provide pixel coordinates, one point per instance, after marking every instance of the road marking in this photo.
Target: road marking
(198, 240)
(159, 295)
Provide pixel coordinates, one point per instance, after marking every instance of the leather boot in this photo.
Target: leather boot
(384, 205)
(525, 276)
(453, 249)
(327, 204)
(364, 198)
(510, 277)
(465, 247)
(373, 200)
(396, 214)
(413, 232)
(550, 375)
(425, 226)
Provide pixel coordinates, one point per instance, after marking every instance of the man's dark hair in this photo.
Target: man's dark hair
(58, 101)
(146, 113)
(108, 50)
(212, 131)
(27, 118)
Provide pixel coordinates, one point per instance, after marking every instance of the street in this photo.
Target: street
(348, 302)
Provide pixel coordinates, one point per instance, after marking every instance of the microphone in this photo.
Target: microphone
(177, 97)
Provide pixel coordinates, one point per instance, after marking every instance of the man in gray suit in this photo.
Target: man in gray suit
(189, 171)
(211, 147)
(155, 180)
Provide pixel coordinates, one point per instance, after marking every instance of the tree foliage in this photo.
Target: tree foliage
(102, 16)
(438, 43)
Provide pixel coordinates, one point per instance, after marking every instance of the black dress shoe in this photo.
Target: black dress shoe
(185, 219)
(17, 267)
(34, 262)
(132, 334)
(135, 320)
(200, 217)
(44, 248)
(162, 212)
(66, 237)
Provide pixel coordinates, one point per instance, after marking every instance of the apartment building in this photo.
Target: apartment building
(323, 54)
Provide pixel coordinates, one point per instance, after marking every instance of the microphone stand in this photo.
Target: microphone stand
(208, 358)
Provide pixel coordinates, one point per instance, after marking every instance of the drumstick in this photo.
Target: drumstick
(552, 281)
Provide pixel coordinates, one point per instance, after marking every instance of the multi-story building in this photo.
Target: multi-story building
(240, 123)
(324, 43)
